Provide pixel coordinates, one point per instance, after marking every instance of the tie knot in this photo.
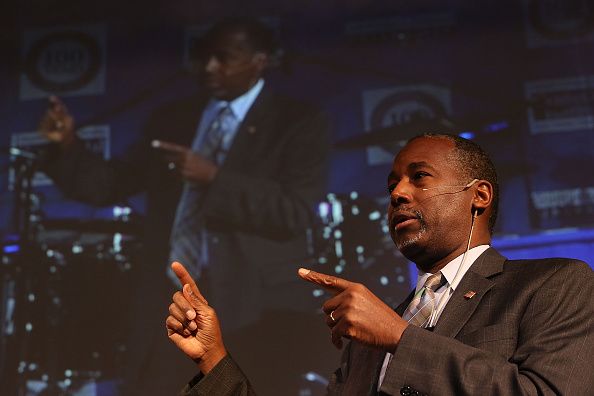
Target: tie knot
(433, 282)
(224, 110)
(223, 113)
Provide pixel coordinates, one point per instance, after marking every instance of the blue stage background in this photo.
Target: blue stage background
(516, 76)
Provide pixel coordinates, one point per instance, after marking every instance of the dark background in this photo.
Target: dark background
(517, 76)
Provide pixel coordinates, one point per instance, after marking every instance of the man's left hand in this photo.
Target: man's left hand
(357, 314)
(191, 166)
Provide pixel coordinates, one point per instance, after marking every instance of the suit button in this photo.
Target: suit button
(406, 390)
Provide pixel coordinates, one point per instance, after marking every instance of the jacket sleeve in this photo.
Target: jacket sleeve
(336, 383)
(85, 176)
(225, 379)
(278, 206)
(552, 355)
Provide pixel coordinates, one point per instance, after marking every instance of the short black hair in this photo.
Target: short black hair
(474, 163)
(259, 36)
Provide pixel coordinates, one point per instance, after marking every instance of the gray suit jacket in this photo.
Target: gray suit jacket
(526, 331)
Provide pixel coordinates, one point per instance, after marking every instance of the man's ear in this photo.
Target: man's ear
(483, 196)
(261, 60)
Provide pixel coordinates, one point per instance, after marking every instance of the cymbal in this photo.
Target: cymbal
(397, 133)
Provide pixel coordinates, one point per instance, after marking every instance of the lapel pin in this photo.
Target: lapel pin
(469, 294)
(251, 129)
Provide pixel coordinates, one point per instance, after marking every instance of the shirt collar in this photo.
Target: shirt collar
(241, 105)
(451, 268)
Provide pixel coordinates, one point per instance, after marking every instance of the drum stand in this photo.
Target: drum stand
(21, 274)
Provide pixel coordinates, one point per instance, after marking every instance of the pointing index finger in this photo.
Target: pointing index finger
(185, 278)
(168, 146)
(331, 283)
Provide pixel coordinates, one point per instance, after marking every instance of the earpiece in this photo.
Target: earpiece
(471, 183)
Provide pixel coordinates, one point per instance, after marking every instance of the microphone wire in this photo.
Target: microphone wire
(442, 300)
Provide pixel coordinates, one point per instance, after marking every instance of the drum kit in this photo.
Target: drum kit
(63, 296)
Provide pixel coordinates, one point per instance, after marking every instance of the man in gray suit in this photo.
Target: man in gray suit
(476, 323)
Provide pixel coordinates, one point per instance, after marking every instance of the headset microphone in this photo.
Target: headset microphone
(460, 189)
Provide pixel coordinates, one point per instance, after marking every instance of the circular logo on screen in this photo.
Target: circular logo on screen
(562, 19)
(63, 61)
(405, 108)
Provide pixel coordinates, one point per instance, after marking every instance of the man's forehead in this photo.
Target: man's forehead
(232, 40)
(424, 150)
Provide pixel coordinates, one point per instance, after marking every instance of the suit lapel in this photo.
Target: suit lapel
(254, 127)
(459, 308)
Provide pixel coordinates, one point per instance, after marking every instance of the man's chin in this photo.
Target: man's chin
(216, 91)
(408, 245)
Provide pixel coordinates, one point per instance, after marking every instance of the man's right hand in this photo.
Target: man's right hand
(193, 325)
(56, 124)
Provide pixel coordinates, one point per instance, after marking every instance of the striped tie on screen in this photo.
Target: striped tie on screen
(188, 237)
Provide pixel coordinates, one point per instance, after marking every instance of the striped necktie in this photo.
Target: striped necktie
(213, 146)
(418, 312)
(188, 237)
(421, 307)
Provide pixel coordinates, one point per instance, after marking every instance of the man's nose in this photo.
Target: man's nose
(402, 193)
(212, 64)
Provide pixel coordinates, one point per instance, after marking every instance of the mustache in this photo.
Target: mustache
(410, 211)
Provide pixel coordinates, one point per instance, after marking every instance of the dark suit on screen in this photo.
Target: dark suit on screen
(526, 331)
(256, 211)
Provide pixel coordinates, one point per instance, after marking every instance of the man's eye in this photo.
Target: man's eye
(221, 56)
(391, 188)
(420, 175)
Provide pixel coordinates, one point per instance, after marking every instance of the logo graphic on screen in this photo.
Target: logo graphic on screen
(564, 207)
(560, 105)
(562, 19)
(406, 107)
(63, 61)
(410, 107)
